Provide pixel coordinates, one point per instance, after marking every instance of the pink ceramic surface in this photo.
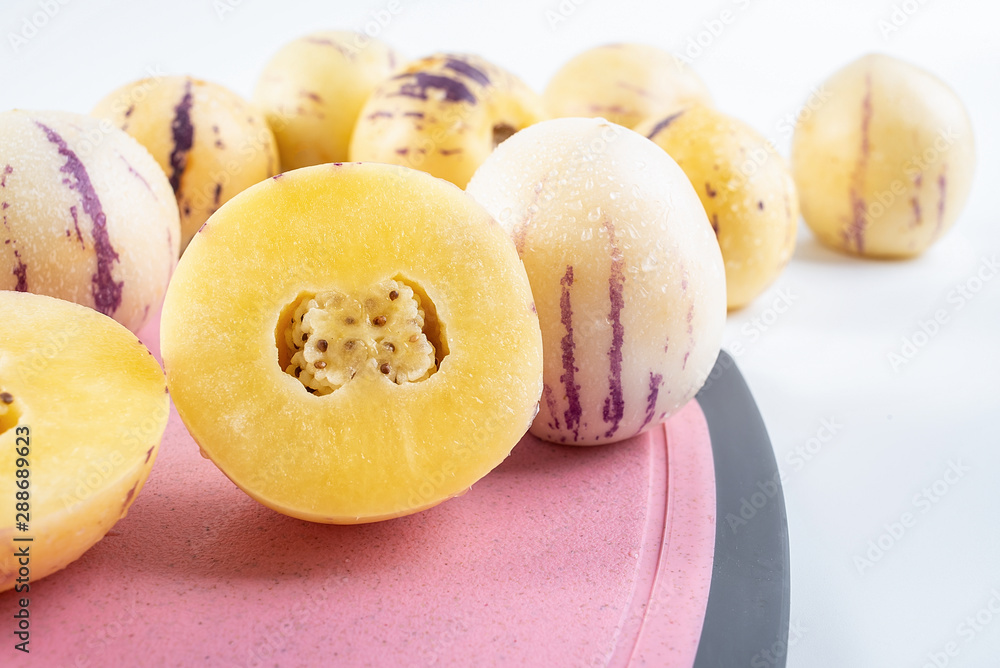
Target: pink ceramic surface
(562, 556)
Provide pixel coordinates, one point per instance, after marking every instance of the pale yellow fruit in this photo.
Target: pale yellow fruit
(444, 115)
(626, 273)
(745, 187)
(313, 89)
(625, 84)
(87, 215)
(83, 406)
(211, 143)
(885, 165)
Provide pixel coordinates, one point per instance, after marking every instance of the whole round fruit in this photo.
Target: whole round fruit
(443, 115)
(885, 165)
(313, 89)
(351, 343)
(82, 410)
(625, 84)
(627, 275)
(88, 216)
(745, 187)
(210, 142)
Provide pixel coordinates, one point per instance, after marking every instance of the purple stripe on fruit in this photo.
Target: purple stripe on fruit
(107, 293)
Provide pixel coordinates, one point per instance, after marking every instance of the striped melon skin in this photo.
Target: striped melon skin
(443, 114)
(210, 142)
(746, 188)
(372, 449)
(313, 88)
(86, 215)
(626, 272)
(885, 165)
(625, 84)
(95, 405)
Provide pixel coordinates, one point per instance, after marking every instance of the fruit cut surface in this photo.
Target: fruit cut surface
(319, 245)
(88, 403)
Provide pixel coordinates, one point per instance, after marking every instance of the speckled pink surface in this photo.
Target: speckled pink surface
(562, 556)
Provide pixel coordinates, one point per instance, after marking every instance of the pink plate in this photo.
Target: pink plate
(563, 556)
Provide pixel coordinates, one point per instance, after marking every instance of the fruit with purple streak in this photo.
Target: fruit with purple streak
(627, 275)
(210, 142)
(444, 115)
(625, 84)
(885, 164)
(82, 409)
(745, 187)
(351, 343)
(313, 89)
(87, 215)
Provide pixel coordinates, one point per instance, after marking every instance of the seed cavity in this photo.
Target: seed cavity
(335, 336)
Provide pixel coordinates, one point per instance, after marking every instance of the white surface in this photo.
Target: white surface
(825, 357)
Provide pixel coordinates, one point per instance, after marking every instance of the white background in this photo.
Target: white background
(826, 357)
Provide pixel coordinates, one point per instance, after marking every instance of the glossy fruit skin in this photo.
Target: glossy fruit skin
(87, 215)
(313, 89)
(885, 165)
(210, 142)
(746, 188)
(627, 275)
(372, 449)
(625, 84)
(94, 404)
(444, 115)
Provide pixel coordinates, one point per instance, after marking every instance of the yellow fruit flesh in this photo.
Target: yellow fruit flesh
(94, 402)
(373, 448)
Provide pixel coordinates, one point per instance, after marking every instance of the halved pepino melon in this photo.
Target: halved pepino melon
(83, 406)
(351, 343)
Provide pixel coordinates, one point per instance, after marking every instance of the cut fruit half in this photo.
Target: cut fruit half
(83, 406)
(351, 343)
